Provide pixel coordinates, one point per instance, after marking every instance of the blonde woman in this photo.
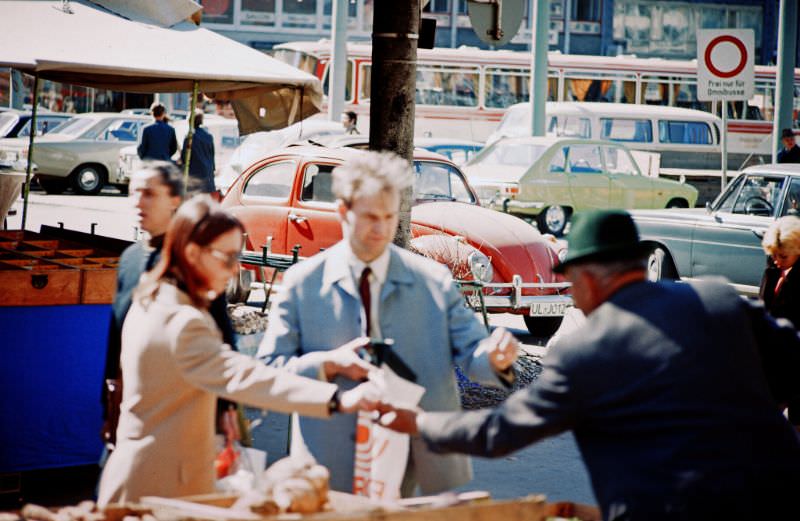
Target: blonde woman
(780, 286)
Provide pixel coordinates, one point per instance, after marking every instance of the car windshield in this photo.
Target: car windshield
(74, 127)
(752, 194)
(115, 130)
(7, 122)
(512, 154)
(439, 181)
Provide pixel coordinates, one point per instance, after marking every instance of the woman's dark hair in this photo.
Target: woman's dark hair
(169, 175)
(199, 220)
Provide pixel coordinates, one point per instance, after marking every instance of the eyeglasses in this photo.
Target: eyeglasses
(230, 260)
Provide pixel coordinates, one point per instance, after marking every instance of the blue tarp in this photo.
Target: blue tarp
(51, 368)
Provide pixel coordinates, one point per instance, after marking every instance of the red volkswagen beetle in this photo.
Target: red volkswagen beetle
(501, 262)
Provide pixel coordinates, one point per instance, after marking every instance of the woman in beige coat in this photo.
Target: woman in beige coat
(174, 365)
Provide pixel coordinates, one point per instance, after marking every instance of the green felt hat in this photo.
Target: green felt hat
(602, 235)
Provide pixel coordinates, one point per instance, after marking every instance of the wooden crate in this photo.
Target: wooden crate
(38, 282)
(76, 273)
(345, 507)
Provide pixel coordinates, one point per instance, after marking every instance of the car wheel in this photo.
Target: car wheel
(542, 326)
(678, 203)
(659, 266)
(88, 179)
(553, 220)
(53, 186)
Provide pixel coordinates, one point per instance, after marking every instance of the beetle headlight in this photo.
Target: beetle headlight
(481, 266)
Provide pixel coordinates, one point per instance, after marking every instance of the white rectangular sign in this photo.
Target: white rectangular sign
(725, 64)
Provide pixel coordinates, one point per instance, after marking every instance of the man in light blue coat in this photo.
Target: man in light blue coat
(320, 319)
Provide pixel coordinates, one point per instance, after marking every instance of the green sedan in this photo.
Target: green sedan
(549, 178)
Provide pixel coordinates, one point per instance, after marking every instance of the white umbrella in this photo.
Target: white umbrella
(137, 47)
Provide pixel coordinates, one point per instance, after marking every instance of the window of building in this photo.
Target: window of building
(258, 12)
(651, 28)
(217, 11)
(586, 10)
(300, 13)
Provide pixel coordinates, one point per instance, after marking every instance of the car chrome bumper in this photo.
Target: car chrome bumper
(513, 206)
(515, 300)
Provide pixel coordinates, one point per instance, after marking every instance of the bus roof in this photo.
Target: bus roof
(506, 58)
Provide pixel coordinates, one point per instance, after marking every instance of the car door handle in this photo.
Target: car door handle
(296, 218)
(758, 233)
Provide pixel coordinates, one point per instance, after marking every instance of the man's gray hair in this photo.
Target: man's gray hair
(369, 174)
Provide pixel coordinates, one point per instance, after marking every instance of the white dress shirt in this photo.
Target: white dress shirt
(379, 267)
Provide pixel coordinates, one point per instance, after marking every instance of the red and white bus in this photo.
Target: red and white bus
(464, 92)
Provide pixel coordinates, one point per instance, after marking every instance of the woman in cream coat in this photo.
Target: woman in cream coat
(174, 365)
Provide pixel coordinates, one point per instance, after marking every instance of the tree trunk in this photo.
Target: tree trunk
(394, 74)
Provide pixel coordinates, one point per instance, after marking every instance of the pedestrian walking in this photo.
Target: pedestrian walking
(790, 152)
(175, 363)
(350, 122)
(201, 163)
(156, 191)
(365, 287)
(663, 388)
(158, 138)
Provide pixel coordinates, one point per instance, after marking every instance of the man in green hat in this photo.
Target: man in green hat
(662, 386)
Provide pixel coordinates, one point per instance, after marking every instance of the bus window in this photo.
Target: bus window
(365, 82)
(685, 132)
(573, 126)
(762, 105)
(442, 85)
(348, 83)
(301, 60)
(621, 129)
(505, 87)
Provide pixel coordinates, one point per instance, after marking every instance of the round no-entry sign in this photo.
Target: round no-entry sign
(740, 49)
(725, 64)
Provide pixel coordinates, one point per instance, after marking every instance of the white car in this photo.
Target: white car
(81, 152)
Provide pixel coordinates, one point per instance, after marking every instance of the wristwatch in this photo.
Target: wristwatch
(334, 402)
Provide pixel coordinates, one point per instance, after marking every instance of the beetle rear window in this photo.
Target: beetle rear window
(274, 180)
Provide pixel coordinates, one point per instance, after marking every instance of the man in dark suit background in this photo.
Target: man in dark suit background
(158, 138)
(663, 388)
(201, 164)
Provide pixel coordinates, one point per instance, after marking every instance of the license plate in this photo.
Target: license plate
(548, 309)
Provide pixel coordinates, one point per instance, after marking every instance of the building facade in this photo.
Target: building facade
(646, 28)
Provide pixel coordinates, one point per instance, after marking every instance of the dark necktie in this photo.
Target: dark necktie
(366, 296)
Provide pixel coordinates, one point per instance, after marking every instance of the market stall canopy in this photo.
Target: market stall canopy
(82, 43)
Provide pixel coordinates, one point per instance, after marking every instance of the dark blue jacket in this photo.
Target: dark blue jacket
(201, 165)
(665, 388)
(158, 142)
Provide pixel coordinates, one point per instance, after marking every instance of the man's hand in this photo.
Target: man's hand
(344, 361)
(503, 349)
(397, 419)
(364, 397)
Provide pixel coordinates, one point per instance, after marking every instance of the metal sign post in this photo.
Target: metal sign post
(725, 72)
